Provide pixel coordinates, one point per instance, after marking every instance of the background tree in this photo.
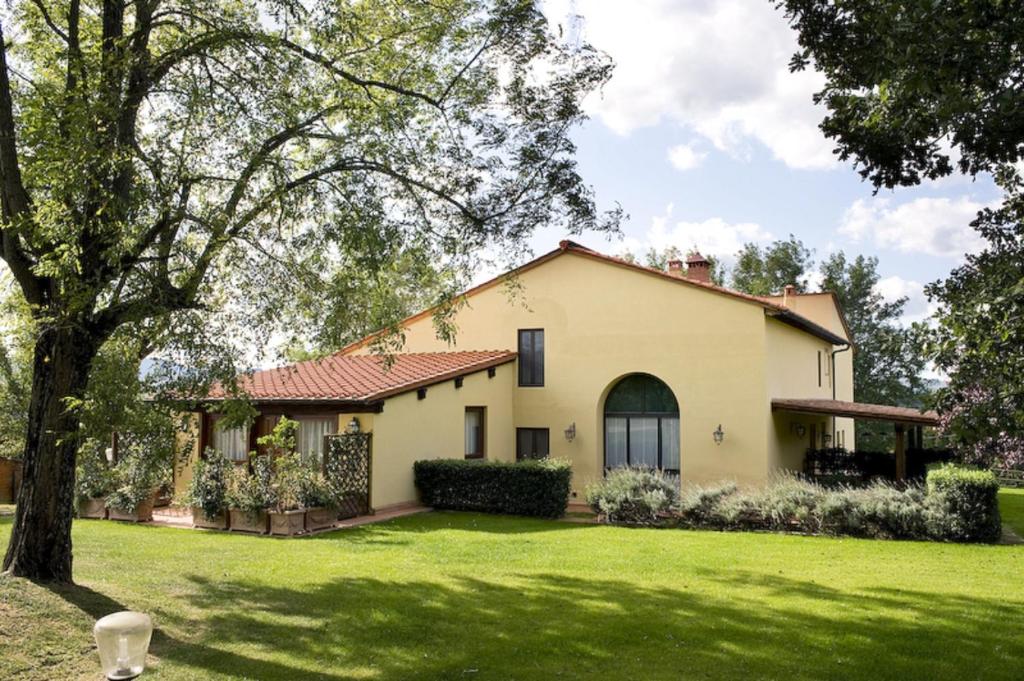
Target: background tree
(905, 85)
(15, 368)
(165, 165)
(889, 360)
(979, 339)
(765, 271)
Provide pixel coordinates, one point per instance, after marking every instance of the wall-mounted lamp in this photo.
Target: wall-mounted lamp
(719, 434)
(570, 432)
(353, 426)
(123, 641)
(798, 428)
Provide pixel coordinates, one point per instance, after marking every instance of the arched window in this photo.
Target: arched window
(641, 424)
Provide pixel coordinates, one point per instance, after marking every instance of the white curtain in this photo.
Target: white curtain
(670, 443)
(231, 442)
(310, 438)
(643, 441)
(615, 441)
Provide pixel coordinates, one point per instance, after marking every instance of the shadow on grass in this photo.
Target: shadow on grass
(553, 626)
(186, 653)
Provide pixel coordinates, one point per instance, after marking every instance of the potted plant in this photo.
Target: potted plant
(93, 482)
(287, 517)
(315, 495)
(249, 495)
(133, 494)
(207, 492)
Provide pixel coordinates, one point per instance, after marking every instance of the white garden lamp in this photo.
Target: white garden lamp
(123, 641)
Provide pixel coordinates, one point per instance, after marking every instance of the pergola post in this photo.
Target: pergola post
(901, 452)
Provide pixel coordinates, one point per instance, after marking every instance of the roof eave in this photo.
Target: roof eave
(804, 324)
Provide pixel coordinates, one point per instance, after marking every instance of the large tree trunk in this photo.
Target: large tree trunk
(40, 545)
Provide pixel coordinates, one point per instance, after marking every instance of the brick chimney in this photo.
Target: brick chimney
(698, 268)
(788, 292)
(675, 268)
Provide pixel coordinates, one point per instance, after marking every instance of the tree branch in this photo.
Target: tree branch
(15, 202)
(49, 21)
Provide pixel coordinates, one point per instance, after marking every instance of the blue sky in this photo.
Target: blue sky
(707, 140)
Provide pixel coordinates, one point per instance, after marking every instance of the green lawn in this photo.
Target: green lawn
(463, 596)
(1011, 507)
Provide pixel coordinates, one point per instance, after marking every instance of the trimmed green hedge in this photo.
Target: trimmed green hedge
(970, 501)
(533, 488)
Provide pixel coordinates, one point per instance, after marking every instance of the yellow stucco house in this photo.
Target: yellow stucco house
(595, 360)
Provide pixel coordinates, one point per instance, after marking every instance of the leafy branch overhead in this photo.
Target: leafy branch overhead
(140, 142)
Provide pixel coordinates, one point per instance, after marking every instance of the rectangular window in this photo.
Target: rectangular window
(475, 418)
(532, 443)
(233, 443)
(819, 368)
(531, 357)
(309, 438)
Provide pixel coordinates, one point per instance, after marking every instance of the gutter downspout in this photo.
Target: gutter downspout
(833, 360)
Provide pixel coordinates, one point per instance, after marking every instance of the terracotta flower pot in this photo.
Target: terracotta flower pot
(92, 508)
(320, 518)
(142, 514)
(243, 521)
(287, 523)
(215, 522)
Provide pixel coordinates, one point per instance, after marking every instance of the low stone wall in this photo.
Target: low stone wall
(10, 480)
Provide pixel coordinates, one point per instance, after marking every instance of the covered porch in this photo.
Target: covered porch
(908, 423)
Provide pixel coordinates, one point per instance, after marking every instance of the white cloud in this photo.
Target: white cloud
(928, 226)
(685, 156)
(713, 236)
(918, 308)
(716, 67)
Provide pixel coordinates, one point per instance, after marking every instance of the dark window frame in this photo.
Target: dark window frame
(529, 366)
(533, 434)
(481, 443)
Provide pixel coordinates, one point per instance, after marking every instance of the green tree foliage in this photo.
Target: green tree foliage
(906, 81)
(169, 169)
(889, 358)
(15, 369)
(765, 271)
(905, 84)
(979, 339)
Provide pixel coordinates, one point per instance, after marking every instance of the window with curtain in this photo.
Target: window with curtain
(233, 443)
(309, 438)
(474, 435)
(641, 425)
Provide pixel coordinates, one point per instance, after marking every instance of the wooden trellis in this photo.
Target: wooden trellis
(347, 467)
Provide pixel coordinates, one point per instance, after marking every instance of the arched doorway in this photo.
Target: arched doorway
(641, 424)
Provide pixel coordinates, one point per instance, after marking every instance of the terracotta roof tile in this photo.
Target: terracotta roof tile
(363, 378)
